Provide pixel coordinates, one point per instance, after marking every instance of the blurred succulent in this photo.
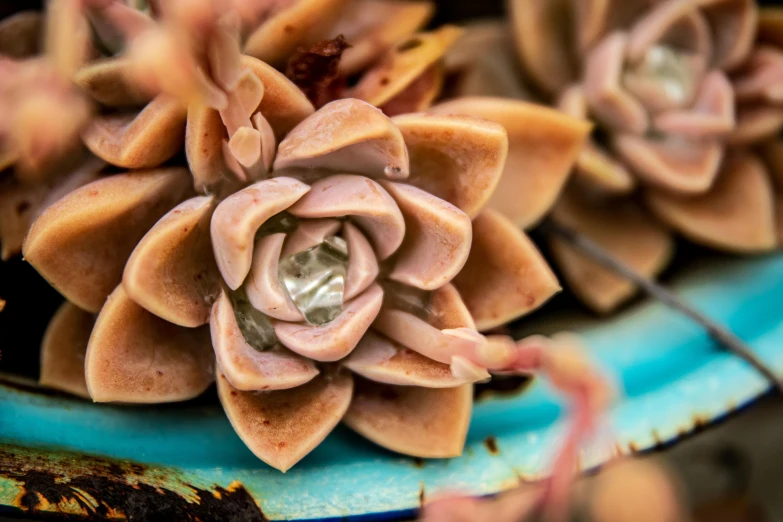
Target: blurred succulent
(42, 114)
(652, 76)
(760, 105)
(359, 243)
(639, 490)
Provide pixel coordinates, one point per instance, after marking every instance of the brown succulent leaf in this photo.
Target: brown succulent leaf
(373, 26)
(403, 65)
(483, 62)
(353, 136)
(464, 172)
(315, 70)
(543, 43)
(756, 122)
(63, 349)
(543, 145)
(284, 106)
(674, 164)
(281, 427)
(771, 152)
(136, 357)
(760, 77)
(505, 276)
(598, 169)
(419, 94)
(737, 215)
(204, 135)
(22, 203)
(734, 30)
(621, 228)
(107, 82)
(303, 22)
(20, 34)
(670, 23)
(382, 360)
(421, 422)
(172, 271)
(436, 242)
(247, 368)
(81, 243)
(142, 140)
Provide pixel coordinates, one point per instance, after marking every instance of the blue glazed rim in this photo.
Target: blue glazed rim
(674, 379)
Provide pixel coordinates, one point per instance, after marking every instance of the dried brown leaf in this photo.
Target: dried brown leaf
(315, 70)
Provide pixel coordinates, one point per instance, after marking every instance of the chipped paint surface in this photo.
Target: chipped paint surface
(674, 378)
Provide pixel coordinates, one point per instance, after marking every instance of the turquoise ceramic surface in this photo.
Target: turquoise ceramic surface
(186, 458)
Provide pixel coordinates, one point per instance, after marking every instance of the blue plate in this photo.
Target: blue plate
(184, 461)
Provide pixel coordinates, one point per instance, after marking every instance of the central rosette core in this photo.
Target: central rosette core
(664, 77)
(314, 279)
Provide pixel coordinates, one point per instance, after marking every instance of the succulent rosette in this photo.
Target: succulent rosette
(659, 81)
(346, 279)
(760, 105)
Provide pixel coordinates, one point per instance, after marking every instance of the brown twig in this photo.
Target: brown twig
(720, 334)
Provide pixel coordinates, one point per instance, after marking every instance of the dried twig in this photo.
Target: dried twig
(720, 334)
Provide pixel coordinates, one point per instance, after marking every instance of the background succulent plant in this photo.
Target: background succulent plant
(658, 80)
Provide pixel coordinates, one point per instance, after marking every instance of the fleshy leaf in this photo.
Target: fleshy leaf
(421, 422)
(136, 357)
(20, 34)
(81, 243)
(621, 228)
(296, 23)
(737, 215)
(676, 164)
(107, 82)
(367, 203)
(437, 238)
(349, 136)
(142, 140)
(542, 35)
(362, 263)
(543, 145)
(172, 271)
(403, 64)
(606, 95)
(505, 276)
(380, 359)
(63, 349)
(335, 339)
(373, 26)
(238, 217)
(263, 285)
(281, 427)
(464, 171)
(248, 368)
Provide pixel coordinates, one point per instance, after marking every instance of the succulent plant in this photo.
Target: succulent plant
(362, 246)
(655, 78)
